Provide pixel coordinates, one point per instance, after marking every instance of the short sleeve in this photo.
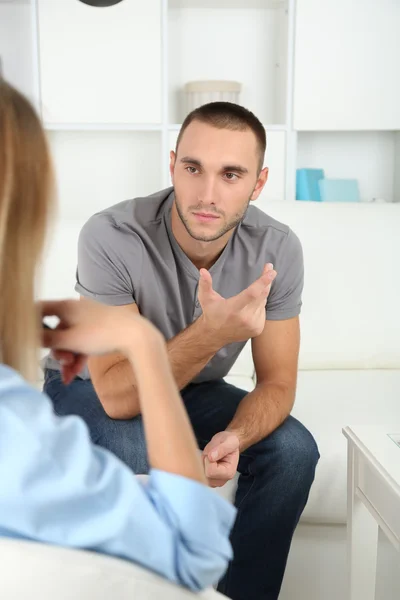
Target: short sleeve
(284, 301)
(104, 273)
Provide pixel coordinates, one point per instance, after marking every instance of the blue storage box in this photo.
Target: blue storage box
(307, 187)
(339, 190)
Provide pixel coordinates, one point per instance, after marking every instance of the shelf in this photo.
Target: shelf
(258, 62)
(368, 156)
(102, 127)
(96, 169)
(228, 4)
(87, 67)
(16, 45)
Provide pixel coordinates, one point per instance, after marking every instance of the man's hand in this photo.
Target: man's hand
(238, 318)
(221, 457)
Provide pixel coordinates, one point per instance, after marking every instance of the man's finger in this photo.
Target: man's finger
(214, 470)
(205, 282)
(214, 483)
(212, 445)
(256, 290)
(223, 449)
(218, 471)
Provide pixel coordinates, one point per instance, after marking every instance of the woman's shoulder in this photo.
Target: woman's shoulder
(17, 395)
(10, 380)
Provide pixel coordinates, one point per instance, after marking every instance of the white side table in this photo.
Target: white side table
(373, 502)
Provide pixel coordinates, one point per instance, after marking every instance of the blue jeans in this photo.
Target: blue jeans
(275, 474)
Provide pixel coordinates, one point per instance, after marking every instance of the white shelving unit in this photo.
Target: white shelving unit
(347, 93)
(226, 39)
(96, 169)
(17, 46)
(368, 156)
(108, 83)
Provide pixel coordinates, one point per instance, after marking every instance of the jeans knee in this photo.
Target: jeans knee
(126, 440)
(299, 454)
(291, 451)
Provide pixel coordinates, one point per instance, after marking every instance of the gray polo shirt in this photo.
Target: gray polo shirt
(128, 254)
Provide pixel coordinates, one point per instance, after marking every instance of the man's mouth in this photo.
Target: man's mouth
(206, 217)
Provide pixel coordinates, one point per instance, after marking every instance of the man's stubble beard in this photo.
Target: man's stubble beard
(216, 236)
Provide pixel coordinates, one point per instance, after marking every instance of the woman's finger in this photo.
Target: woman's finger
(65, 357)
(63, 309)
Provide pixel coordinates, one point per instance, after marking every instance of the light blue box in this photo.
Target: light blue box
(307, 184)
(339, 190)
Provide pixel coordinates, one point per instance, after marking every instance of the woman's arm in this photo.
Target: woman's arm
(91, 328)
(171, 445)
(59, 488)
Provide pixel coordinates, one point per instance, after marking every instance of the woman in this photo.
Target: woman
(57, 487)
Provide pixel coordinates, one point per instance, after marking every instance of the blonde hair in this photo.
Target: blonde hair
(26, 184)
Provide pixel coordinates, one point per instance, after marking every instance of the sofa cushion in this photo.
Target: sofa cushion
(50, 572)
(326, 402)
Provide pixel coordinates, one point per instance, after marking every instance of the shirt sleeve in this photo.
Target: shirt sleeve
(58, 488)
(284, 300)
(102, 273)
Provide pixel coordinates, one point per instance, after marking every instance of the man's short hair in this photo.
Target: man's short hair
(227, 115)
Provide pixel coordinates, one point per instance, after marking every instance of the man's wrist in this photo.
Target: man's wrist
(240, 434)
(212, 336)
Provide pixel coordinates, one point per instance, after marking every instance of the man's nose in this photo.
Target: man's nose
(207, 194)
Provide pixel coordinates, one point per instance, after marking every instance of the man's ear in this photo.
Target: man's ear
(172, 161)
(261, 181)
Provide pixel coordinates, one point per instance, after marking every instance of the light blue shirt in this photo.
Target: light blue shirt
(57, 487)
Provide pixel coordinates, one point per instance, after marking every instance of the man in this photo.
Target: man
(210, 272)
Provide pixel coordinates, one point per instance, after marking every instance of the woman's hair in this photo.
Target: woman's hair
(26, 198)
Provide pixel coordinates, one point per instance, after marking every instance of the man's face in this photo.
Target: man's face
(215, 176)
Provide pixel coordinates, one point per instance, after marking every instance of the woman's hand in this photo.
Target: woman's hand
(88, 327)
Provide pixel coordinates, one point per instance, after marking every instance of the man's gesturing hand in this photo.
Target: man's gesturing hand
(238, 318)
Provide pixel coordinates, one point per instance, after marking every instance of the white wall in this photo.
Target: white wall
(351, 318)
(15, 46)
(397, 168)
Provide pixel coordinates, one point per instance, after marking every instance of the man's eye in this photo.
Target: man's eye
(231, 176)
(191, 170)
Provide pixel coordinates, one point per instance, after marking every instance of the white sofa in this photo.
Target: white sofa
(40, 572)
(349, 363)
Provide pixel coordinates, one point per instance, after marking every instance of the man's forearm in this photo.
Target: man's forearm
(261, 412)
(188, 352)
